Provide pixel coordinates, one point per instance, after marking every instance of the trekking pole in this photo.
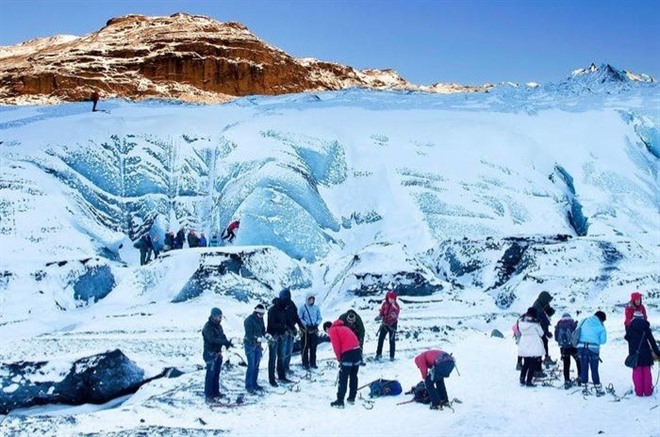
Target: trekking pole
(406, 402)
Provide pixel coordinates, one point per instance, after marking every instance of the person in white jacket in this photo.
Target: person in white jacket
(530, 346)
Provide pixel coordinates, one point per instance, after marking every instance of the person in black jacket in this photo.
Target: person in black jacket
(277, 327)
(292, 322)
(354, 322)
(543, 309)
(640, 338)
(214, 338)
(254, 336)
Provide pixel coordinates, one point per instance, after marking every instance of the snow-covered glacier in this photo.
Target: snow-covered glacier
(322, 178)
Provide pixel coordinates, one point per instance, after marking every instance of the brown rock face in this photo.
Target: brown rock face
(185, 57)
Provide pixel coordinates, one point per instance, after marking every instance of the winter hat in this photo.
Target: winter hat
(638, 314)
(565, 316)
(285, 294)
(601, 316)
(260, 309)
(216, 312)
(635, 295)
(327, 325)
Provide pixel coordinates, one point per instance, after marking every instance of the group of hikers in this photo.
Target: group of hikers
(148, 245)
(581, 343)
(285, 320)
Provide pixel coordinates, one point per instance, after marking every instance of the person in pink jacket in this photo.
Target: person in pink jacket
(635, 304)
(389, 318)
(346, 346)
(436, 388)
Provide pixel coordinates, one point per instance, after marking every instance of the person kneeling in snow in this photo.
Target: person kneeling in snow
(347, 350)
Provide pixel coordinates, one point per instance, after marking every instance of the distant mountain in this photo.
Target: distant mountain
(186, 57)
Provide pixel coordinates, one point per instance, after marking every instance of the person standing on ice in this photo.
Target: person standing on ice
(543, 308)
(592, 336)
(95, 99)
(640, 340)
(214, 339)
(230, 232)
(389, 318)
(530, 346)
(214, 241)
(634, 305)
(563, 334)
(255, 331)
(310, 316)
(346, 347)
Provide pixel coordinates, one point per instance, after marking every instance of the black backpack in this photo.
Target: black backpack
(420, 393)
(563, 333)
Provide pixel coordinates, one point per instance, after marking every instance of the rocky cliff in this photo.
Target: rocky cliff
(192, 58)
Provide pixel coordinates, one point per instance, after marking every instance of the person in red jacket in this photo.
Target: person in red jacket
(635, 304)
(230, 232)
(388, 317)
(347, 350)
(437, 390)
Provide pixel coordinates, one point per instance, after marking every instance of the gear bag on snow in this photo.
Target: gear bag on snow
(420, 393)
(444, 365)
(384, 387)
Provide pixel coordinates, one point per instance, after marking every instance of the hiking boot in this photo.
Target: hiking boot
(378, 357)
(435, 406)
(522, 382)
(351, 401)
(391, 358)
(530, 384)
(285, 381)
(337, 404)
(314, 366)
(518, 367)
(548, 361)
(567, 385)
(599, 390)
(273, 383)
(259, 388)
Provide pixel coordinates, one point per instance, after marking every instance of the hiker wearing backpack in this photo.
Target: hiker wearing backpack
(563, 333)
(346, 346)
(641, 342)
(592, 336)
(543, 310)
(635, 304)
(435, 365)
(530, 346)
(389, 318)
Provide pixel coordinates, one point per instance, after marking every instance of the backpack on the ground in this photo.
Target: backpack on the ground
(563, 334)
(444, 365)
(420, 393)
(384, 387)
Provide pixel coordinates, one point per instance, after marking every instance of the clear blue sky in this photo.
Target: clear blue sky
(469, 41)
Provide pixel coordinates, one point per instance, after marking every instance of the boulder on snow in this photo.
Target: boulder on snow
(96, 379)
(496, 333)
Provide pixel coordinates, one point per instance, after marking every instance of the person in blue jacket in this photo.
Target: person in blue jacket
(310, 316)
(592, 336)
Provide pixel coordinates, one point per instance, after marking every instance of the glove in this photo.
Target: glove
(549, 334)
(378, 318)
(231, 344)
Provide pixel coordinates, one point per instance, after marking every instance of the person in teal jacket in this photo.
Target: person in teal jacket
(592, 336)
